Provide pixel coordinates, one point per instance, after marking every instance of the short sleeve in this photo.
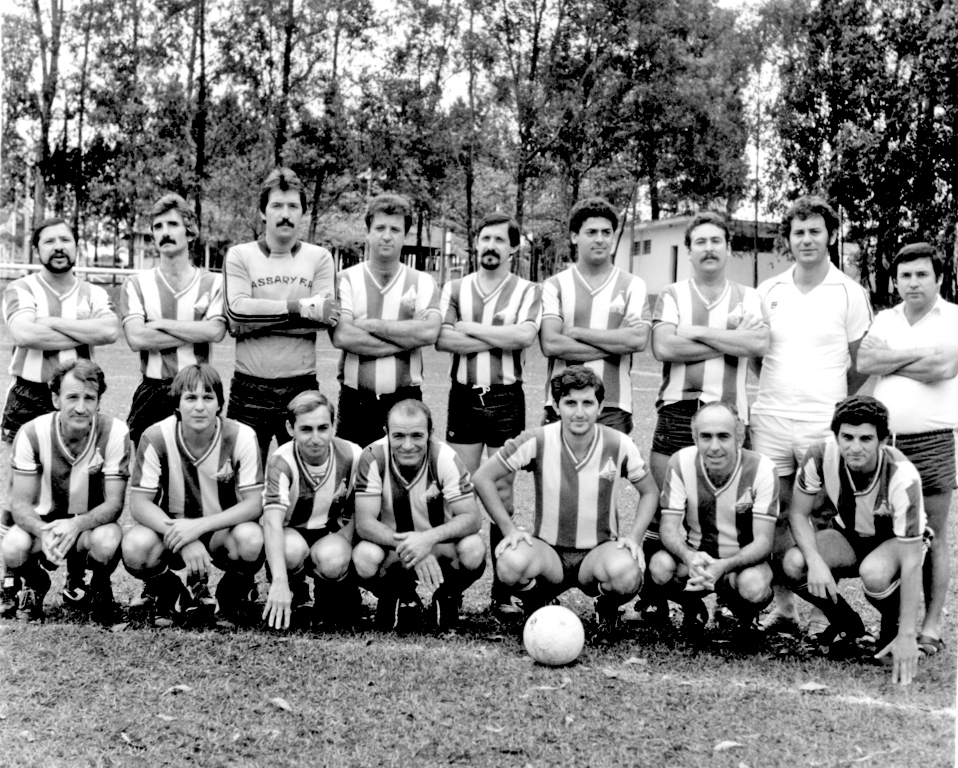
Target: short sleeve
(369, 481)
(148, 468)
(17, 300)
(345, 295)
(449, 303)
(638, 302)
(427, 297)
(810, 478)
(881, 325)
(519, 452)
(101, 305)
(634, 467)
(216, 310)
(530, 309)
(666, 308)
(116, 463)
(907, 503)
(859, 315)
(131, 305)
(453, 476)
(551, 306)
(277, 484)
(324, 278)
(765, 505)
(25, 458)
(246, 459)
(674, 498)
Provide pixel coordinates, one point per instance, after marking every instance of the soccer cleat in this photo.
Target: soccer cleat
(606, 616)
(444, 612)
(32, 594)
(654, 615)
(507, 608)
(695, 617)
(846, 642)
(102, 605)
(76, 593)
(339, 607)
(235, 595)
(199, 605)
(777, 623)
(9, 592)
(168, 597)
(387, 613)
(399, 614)
(299, 587)
(144, 599)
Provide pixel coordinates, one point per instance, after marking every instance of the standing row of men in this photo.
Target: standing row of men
(803, 329)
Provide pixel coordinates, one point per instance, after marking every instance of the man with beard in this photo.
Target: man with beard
(171, 313)
(279, 292)
(489, 319)
(53, 318)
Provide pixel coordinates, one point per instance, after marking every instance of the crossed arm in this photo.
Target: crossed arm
(55, 333)
(382, 338)
(694, 343)
(58, 537)
(580, 345)
(925, 364)
(467, 337)
(166, 334)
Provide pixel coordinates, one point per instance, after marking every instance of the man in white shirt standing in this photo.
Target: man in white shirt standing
(817, 318)
(913, 349)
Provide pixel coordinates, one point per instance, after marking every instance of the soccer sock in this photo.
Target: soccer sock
(839, 613)
(887, 603)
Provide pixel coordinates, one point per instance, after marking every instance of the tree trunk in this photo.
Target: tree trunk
(282, 118)
(199, 124)
(50, 69)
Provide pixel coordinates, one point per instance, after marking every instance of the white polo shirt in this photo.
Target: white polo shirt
(917, 406)
(803, 374)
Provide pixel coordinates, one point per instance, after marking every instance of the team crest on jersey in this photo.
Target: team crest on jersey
(432, 492)
(96, 463)
(341, 492)
(504, 318)
(745, 503)
(408, 300)
(882, 510)
(225, 474)
(617, 307)
(84, 310)
(609, 470)
(734, 319)
(202, 304)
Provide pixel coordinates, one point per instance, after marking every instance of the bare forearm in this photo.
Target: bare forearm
(673, 540)
(750, 343)
(274, 542)
(621, 341)
(145, 512)
(245, 511)
(459, 343)
(883, 361)
(459, 526)
(566, 348)
(756, 551)
(407, 334)
(191, 332)
(95, 331)
(505, 337)
(25, 516)
(352, 339)
(489, 496)
(910, 596)
(669, 348)
(38, 336)
(146, 338)
(374, 530)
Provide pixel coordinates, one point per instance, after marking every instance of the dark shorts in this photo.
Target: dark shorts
(362, 414)
(673, 427)
(611, 417)
(933, 454)
(485, 416)
(863, 546)
(261, 404)
(25, 401)
(151, 403)
(571, 560)
(312, 535)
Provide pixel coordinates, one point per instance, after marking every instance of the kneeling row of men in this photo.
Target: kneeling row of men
(403, 513)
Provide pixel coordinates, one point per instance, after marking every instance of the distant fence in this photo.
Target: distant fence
(102, 275)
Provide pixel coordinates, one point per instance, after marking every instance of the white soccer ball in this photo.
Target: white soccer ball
(553, 636)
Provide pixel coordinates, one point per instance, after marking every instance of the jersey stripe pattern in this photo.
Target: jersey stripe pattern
(71, 485)
(418, 504)
(891, 505)
(514, 301)
(568, 297)
(33, 297)
(408, 294)
(271, 343)
(576, 499)
(721, 378)
(720, 519)
(183, 485)
(149, 296)
(309, 500)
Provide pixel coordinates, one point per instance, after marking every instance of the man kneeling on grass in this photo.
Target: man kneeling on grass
(197, 493)
(308, 513)
(70, 471)
(417, 513)
(719, 507)
(878, 534)
(575, 542)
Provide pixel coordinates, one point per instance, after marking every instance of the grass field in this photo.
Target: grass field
(74, 694)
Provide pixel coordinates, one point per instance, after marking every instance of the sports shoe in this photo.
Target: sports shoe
(168, 597)
(102, 605)
(338, 606)
(9, 591)
(199, 605)
(144, 599)
(506, 608)
(76, 593)
(653, 615)
(299, 588)
(399, 614)
(695, 617)
(606, 616)
(444, 612)
(235, 595)
(777, 623)
(32, 594)
(850, 641)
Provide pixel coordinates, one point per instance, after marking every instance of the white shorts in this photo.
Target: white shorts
(785, 441)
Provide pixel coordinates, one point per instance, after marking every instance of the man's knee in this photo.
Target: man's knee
(512, 564)
(793, 564)
(104, 541)
(754, 584)
(662, 567)
(16, 547)
(245, 542)
(622, 572)
(141, 548)
(331, 556)
(296, 552)
(877, 574)
(367, 557)
(471, 552)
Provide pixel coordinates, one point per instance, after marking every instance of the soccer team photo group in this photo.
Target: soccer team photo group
(773, 505)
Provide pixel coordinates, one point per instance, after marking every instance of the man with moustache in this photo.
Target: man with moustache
(594, 314)
(704, 331)
(489, 319)
(279, 292)
(389, 313)
(171, 313)
(53, 317)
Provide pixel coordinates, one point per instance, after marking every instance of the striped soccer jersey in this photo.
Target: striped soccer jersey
(422, 503)
(514, 301)
(409, 293)
(149, 296)
(719, 520)
(891, 505)
(576, 500)
(183, 485)
(71, 485)
(259, 283)
(33, 297)
(721, 378)
(312, 499)
(568, 297)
